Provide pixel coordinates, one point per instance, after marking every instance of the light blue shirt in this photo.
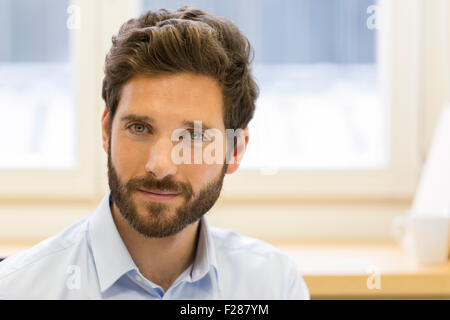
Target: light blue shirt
(89, 260)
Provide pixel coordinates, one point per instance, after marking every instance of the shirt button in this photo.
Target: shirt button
(138, 278)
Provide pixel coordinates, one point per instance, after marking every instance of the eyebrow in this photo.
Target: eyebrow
(136, 117)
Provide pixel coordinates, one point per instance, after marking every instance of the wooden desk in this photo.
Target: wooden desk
(349, 270)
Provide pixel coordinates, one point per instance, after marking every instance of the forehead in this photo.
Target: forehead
(180, 97)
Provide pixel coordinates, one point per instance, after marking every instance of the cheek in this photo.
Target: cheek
(126, 156)
(201, 174)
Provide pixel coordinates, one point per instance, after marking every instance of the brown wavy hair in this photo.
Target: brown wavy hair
(187, 40)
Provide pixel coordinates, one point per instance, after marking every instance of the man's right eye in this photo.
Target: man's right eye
(139, 128)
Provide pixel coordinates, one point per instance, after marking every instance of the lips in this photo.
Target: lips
(155, 195)
(160, 192)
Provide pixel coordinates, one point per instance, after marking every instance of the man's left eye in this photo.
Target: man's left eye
(196, 135)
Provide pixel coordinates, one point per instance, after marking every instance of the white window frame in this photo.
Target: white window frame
(398, 57)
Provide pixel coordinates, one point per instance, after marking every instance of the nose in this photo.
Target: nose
(159, 161)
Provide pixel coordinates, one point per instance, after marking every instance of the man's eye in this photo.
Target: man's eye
(138, 127)
(196, 135)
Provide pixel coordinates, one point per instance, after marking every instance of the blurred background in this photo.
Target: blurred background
(351, 94)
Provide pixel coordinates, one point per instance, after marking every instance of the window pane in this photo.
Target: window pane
(316, 66)
(37, 116)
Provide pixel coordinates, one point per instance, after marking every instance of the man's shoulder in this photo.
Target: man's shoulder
(257, 268)
(233, 244)
(45, 255)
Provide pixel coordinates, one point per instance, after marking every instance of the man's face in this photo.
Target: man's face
(140, 152)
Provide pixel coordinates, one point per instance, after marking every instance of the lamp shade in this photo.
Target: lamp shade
(433, 192)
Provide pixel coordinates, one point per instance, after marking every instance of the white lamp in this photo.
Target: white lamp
(428, 236)
(433, 191)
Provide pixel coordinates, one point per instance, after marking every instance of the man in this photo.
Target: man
(176, 83)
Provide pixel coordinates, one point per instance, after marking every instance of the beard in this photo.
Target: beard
(154, 222)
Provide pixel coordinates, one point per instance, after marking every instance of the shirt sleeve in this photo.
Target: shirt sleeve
(296, 286)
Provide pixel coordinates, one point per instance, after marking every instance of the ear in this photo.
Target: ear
(105, 129)
(239, 150)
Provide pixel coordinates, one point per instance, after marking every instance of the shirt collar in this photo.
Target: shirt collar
(205, 257)
(112, 259)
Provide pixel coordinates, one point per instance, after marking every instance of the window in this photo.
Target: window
(37, 118)
(46, 142)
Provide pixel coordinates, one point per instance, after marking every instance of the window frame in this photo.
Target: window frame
(398, 56)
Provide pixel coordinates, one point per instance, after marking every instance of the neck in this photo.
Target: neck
(160, 260)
